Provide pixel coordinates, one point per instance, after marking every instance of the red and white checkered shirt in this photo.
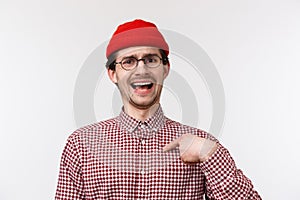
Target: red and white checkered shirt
(122, 158)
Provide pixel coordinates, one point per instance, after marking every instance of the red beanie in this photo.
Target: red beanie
(136, 33)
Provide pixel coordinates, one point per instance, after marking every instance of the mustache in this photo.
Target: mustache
(147, 77)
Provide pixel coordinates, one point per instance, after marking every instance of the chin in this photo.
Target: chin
(143, 104)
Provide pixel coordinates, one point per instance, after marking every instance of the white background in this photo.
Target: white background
(254, 44)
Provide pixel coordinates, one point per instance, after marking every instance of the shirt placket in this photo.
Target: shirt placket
(143, 161)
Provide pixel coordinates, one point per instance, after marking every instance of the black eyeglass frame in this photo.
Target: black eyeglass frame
(141, 59)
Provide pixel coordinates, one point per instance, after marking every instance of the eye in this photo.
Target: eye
(151, 59)
(128, 61)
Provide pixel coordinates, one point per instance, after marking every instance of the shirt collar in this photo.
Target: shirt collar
(154, 123)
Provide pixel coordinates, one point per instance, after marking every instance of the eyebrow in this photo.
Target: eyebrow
(144, 55)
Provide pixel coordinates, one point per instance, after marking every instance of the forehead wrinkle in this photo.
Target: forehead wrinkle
(136, 53)
(143, 55)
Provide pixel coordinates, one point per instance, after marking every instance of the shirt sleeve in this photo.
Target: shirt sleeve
(224, 180)
(70, 184)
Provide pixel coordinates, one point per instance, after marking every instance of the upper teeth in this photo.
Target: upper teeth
(141, 84)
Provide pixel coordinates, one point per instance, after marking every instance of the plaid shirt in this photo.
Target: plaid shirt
(122, 158)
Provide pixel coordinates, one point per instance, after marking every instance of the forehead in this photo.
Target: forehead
(137, 51)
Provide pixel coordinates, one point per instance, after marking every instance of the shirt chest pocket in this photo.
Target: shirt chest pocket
(179, 181)
(177, 173)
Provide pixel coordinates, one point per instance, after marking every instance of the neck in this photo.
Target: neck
(141, 114)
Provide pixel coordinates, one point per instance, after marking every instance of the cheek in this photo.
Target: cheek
(122, 81)
(160, 79)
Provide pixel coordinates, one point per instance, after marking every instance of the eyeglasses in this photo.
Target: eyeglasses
(129, 63)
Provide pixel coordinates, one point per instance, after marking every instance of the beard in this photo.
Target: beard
(147, 105)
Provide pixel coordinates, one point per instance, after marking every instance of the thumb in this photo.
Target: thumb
(172, 145)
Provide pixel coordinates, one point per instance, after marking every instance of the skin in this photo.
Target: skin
(141, 104)
(137, 104)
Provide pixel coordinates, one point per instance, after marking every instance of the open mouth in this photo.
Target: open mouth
(142, 85)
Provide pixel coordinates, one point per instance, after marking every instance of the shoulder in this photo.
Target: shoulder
(174, 125)
(95, 129)
(186, 129)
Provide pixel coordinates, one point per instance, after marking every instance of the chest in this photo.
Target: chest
(139, 170)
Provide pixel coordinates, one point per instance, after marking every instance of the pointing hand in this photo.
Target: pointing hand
(192, 148)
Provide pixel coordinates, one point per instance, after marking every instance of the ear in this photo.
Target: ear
(166, 70)
(112, 75)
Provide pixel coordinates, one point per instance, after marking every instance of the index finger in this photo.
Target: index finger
(172, 145)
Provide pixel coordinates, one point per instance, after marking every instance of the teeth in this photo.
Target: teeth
(141, 84)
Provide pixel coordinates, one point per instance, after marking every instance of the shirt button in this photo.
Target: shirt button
(154, 130)
(143, 141)
(142, 172)
(142, 126)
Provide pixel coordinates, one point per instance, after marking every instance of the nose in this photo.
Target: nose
(141, 68)
(138, 61)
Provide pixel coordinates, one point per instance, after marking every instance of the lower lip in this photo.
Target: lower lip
(143, 92)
